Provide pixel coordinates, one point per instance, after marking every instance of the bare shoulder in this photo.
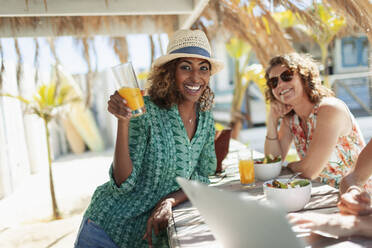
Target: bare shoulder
(332, 106)
(334, 113)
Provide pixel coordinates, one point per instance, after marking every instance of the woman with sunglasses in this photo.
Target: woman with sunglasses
(326, 135)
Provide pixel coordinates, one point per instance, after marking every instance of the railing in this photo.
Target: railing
(344, 81)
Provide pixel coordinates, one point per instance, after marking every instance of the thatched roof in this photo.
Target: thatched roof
(96, 17)
(253, 22)
(358, 14)
(84, 26)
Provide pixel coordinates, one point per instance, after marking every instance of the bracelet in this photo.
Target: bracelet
(268, 138)
(354, 187)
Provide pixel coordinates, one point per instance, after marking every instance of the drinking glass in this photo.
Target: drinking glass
(246, 167)
(128, 87)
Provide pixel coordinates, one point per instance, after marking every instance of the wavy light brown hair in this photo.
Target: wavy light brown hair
(308, 71)
(163, 90)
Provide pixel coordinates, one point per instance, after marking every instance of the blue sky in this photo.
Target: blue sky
(70, 54)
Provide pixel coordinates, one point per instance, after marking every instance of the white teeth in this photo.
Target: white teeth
(193, 88)
(284, 91)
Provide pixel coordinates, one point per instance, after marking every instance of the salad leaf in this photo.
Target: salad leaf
(271, 159)
(302, 183)
(293, 184)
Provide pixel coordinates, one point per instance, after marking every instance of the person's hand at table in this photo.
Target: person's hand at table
(330, 224)
(158, 219)
(355, 201)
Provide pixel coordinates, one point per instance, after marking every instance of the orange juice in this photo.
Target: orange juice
(133, 97)
(246, 170)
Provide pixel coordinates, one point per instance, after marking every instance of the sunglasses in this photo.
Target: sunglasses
(285, 76)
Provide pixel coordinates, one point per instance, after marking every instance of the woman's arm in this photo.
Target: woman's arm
(122, 166)
(334, 224)
(332, 121)
(162, 213)
(364, 226)
(354, 199)
(361, 171)
(278, 143)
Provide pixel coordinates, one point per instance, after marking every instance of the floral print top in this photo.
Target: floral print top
(343, 156)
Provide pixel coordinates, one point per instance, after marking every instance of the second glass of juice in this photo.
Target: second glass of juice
(246, 167)
(129, 88)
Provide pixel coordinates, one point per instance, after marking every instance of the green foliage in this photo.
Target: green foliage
(237, 48)
(285, 19)
(330, 24)
(46, 102)
(323, 34)
(240, 51)
(21, 99)
(244, 74)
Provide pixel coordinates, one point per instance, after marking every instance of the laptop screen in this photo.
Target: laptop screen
(236, 220)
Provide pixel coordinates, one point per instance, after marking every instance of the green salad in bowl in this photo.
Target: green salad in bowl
(268, 159)
(267, 168)
(288, 185)
(292, 196)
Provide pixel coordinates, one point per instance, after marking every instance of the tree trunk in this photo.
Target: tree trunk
(248, 115)
(56, 214)
(324, 50)
(236, 122)
(236, 126)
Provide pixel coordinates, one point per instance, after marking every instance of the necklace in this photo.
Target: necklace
(190, 121)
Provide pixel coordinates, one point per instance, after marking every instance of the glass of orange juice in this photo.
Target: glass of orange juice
(129, 88)
(246, 167)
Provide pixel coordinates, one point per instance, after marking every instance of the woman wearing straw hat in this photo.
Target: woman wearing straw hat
(175, 137)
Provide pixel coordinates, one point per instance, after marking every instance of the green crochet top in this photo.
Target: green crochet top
(160, 151)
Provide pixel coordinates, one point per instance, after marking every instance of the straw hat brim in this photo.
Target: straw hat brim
(217, 65)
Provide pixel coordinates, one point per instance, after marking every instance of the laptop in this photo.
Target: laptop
(238, 221)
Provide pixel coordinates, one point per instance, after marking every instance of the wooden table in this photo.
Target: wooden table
(188, 229)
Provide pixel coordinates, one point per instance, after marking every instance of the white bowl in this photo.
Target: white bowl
(291, 199)
(268, 171)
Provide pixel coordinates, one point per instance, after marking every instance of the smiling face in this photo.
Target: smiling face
(192, 77)
(286, 91)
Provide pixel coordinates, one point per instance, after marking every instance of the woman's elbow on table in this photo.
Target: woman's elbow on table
(313, 176)
(308, 173)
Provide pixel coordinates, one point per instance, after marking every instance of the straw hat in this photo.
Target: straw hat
(189, 43)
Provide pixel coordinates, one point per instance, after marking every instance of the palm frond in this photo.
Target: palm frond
(356, 12)
(20, 98)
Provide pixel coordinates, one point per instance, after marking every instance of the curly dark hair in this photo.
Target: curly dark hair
(164, 92)
(308, 71)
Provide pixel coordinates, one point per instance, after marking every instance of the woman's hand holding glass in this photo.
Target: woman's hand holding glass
(355, 201)
(119, 108)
